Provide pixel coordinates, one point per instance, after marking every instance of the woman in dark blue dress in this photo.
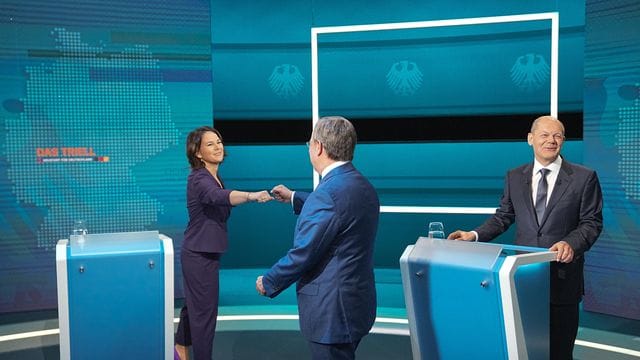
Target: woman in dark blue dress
(205, 239)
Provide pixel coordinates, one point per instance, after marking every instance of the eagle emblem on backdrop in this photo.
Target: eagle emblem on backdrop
(286, 81)
(404, 78)
(530, 72)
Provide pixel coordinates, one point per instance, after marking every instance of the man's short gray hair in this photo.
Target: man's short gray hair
(338, 137)
(534, 125)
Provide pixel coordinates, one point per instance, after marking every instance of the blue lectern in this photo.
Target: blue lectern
(471, 300)
(115, 296)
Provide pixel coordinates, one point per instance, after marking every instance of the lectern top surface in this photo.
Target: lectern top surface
(453, 252)
(115, 243)
(478, 255)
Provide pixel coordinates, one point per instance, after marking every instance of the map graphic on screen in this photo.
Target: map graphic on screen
(89, 116)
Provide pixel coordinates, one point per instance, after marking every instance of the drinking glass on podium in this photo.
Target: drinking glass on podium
(436, 230)
(79, 231)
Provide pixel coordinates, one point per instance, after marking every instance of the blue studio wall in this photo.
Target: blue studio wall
(262, 65)
(465, 71)
(97, 98)
(451, 72)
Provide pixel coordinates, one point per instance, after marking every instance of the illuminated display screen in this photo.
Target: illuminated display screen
(97, 98)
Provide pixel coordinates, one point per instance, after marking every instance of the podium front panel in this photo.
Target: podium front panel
(451, 287)
(456, 308)
(117, 296)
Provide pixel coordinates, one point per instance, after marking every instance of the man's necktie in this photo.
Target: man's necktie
(541, 197)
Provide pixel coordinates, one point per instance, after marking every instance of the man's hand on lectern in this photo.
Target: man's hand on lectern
(462, 235)
(565, 251)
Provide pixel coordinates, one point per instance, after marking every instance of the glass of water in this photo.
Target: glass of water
(79, 231)
(436, 230)
(79, 227)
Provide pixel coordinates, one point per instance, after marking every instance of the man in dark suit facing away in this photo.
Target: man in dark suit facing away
(556, 205)
(332, 255)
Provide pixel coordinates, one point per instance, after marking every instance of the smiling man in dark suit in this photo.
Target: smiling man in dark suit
(556, 205)
(332, 255)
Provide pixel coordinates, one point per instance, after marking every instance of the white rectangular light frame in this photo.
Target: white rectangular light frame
(552, 16)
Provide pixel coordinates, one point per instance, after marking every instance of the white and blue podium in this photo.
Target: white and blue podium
(473, 300)
(115, 296)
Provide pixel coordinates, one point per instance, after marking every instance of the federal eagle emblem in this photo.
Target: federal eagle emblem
(286, 80)
(530, 72)
(404, 78)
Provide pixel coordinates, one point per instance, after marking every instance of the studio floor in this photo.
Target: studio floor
(252, 327)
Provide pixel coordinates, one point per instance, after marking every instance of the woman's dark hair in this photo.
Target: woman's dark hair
(194, 139)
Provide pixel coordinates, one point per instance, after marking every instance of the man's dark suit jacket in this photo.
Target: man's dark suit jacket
(573, 214)
(209, 208)
(332, 258)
